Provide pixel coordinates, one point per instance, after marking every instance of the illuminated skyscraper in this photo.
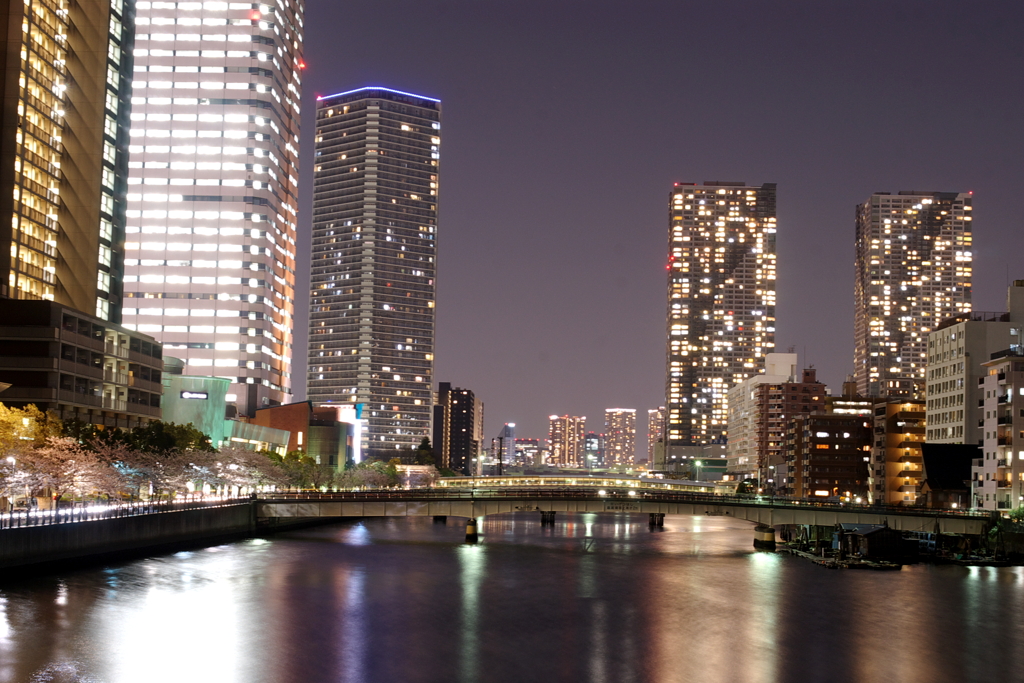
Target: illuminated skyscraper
(619, 436)
(371, 321)
(913, 270)
(721, 301)
(565, 440)
(64, 152)
(213, 186)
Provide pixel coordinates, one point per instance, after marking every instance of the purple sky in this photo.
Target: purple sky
(566, 122)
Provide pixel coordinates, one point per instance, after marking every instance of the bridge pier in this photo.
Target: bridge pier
(547, 518)
(764, 537)
(471, 533)
(657, 519)
(440, 519)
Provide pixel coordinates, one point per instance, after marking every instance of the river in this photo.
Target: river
(596, 598)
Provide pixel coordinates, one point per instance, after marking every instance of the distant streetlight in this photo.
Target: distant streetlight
(697, 464)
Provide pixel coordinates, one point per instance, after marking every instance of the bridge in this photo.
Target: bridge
(277, 508)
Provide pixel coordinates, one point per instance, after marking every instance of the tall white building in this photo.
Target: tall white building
(213, 186)
(913, 270)
(619, 436)
(373, 266)
(721, 301)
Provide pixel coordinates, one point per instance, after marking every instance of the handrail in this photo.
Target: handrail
(89, 513)
(588, 493)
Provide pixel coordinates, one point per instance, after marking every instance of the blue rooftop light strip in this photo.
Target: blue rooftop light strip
(399, 92)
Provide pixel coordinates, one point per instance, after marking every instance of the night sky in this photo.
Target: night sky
(565, 124)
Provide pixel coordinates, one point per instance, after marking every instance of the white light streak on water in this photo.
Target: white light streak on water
(473, 569)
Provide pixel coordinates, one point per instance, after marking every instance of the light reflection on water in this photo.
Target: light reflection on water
(599, 598)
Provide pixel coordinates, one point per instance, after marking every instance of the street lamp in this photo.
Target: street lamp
(697, 464)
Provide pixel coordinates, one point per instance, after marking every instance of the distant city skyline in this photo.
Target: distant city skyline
(553, 207)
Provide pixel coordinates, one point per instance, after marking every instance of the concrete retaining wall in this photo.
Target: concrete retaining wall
(79, 540)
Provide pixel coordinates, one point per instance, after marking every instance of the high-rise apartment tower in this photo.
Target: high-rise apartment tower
(721, 301)
(913, 270)
(213, 186)
(565, 440)
(371, 321)
(619, 436)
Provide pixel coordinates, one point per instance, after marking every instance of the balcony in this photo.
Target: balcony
(1003, 399)
(115, 404)
(1005, 441)
(1002, 484)
(115, 377)
(1001, 462)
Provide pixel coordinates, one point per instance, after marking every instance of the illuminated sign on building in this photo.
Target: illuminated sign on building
(195, 394)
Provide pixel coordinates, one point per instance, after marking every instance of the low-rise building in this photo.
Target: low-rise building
(328, 434)
(828, 456)
(78, 366)
(202, 402)
(743, 424)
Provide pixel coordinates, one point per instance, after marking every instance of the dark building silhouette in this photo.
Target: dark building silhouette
(458, 428)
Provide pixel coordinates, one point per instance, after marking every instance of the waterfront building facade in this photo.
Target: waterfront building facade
(372, 285)
(721, 301)
(619, 436)
(913, 269)
(566, 444)
(213, 190)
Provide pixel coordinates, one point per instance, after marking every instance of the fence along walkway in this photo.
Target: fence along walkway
(87, 513)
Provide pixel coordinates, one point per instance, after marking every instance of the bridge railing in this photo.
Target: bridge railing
(590, 493)
(87, 513)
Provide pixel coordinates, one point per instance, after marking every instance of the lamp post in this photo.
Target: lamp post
(697, 464)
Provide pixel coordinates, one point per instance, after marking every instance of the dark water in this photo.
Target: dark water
(596, 598)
